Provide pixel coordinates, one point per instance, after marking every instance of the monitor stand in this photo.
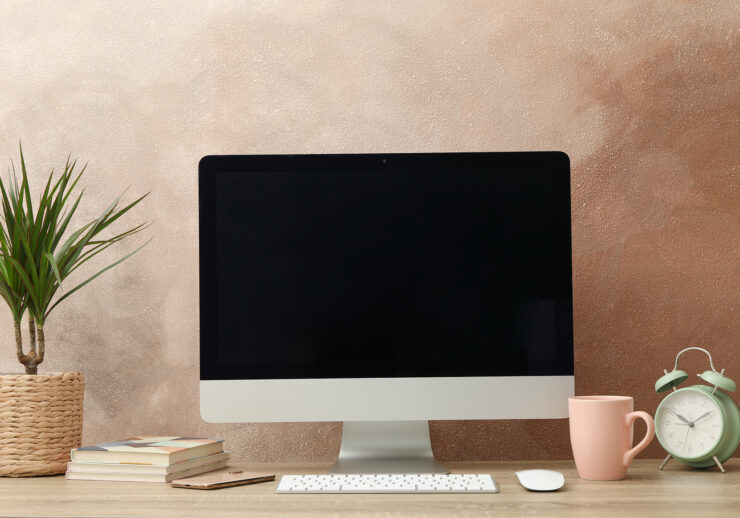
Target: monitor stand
(386, 447)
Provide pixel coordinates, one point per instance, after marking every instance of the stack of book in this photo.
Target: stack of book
(147, 459)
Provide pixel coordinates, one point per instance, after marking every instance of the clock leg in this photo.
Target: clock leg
(719, 464)
(665, 461)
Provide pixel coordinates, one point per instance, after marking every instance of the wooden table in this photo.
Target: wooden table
(676, 491)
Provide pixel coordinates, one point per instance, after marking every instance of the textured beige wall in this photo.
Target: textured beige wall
(642, 95)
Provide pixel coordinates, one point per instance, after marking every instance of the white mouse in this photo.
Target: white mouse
(541, 479)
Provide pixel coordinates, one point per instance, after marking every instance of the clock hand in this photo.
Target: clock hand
(705, 414)
(682, 418)
(686, 438)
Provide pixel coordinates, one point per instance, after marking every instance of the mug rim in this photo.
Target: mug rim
(601, 398)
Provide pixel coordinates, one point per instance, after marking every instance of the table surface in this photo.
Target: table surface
(676, 491)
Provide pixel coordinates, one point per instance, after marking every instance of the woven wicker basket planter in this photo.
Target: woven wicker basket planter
(40, 422)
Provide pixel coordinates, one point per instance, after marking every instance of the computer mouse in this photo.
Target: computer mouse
(541, 479)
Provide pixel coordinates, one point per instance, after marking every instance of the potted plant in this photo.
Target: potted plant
(41, 414)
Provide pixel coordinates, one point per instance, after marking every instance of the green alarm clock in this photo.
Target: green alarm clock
(697, 425)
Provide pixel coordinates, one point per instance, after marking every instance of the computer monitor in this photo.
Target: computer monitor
(385, 290)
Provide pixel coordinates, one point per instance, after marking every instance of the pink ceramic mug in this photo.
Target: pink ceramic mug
(601, 435)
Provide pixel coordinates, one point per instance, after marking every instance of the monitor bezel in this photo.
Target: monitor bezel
(212, 165)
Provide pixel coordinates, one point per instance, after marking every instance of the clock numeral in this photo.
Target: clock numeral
(692, 399)
(701, 444)
(669, 435)
(681, 402)
(704, 403)
(712, 437)
(715, 425)
(690, 449)
(679, 443)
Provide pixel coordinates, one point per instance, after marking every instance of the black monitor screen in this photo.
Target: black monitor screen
(377, 266)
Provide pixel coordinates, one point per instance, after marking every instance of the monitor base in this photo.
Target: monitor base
(386, 447)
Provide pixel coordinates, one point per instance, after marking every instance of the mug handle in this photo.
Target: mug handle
(630, 418)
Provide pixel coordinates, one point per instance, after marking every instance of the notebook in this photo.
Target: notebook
(154, 450)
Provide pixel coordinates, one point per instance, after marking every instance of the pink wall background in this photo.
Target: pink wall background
(643, 96)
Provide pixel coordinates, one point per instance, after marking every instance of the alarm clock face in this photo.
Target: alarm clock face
(689, 423)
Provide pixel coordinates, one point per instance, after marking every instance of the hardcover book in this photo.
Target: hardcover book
(152, 450)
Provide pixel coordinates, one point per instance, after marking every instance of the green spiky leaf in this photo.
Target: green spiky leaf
(37, 249)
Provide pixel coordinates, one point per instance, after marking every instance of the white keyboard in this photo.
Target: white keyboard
(386, 483)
